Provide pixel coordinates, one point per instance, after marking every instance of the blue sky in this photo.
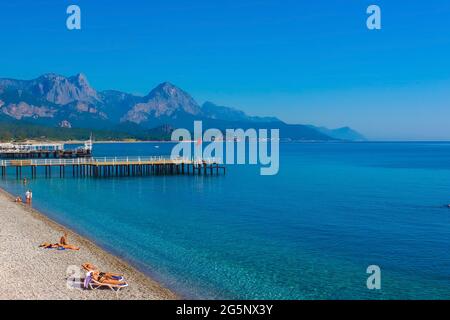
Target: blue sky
(303, 61)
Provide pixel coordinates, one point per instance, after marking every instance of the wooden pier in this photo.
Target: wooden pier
(111, 167)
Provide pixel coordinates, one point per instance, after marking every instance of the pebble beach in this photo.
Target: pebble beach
(30, 272)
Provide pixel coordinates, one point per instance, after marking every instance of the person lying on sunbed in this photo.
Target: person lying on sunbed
(109, 275)
(102, 278)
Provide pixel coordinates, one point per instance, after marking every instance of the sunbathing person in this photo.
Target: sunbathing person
(99, 277)
(109, 275)
(61, 245)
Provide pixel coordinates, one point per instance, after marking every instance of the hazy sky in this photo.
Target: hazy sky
(303, 61)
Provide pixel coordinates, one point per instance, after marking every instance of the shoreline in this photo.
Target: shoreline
(30, 272)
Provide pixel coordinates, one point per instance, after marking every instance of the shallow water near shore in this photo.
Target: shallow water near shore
(309, 232)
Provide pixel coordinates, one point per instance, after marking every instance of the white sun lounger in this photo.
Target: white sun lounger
(92, 284)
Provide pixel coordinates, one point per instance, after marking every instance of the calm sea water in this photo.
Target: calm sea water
(308, 233)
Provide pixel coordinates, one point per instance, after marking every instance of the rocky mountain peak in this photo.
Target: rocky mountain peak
(61, 90)
(168, 98)
(168, 90)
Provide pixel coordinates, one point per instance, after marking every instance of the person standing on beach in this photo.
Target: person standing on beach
(29, 196)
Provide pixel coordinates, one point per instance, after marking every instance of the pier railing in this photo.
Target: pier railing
(114, 166)
(107, 161)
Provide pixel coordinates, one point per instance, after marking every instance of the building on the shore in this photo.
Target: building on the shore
(24, 147)
(44, 150)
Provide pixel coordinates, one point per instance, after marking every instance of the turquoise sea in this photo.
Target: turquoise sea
(309, 232)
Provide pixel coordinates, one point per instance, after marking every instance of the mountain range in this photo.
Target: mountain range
(56, 101)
